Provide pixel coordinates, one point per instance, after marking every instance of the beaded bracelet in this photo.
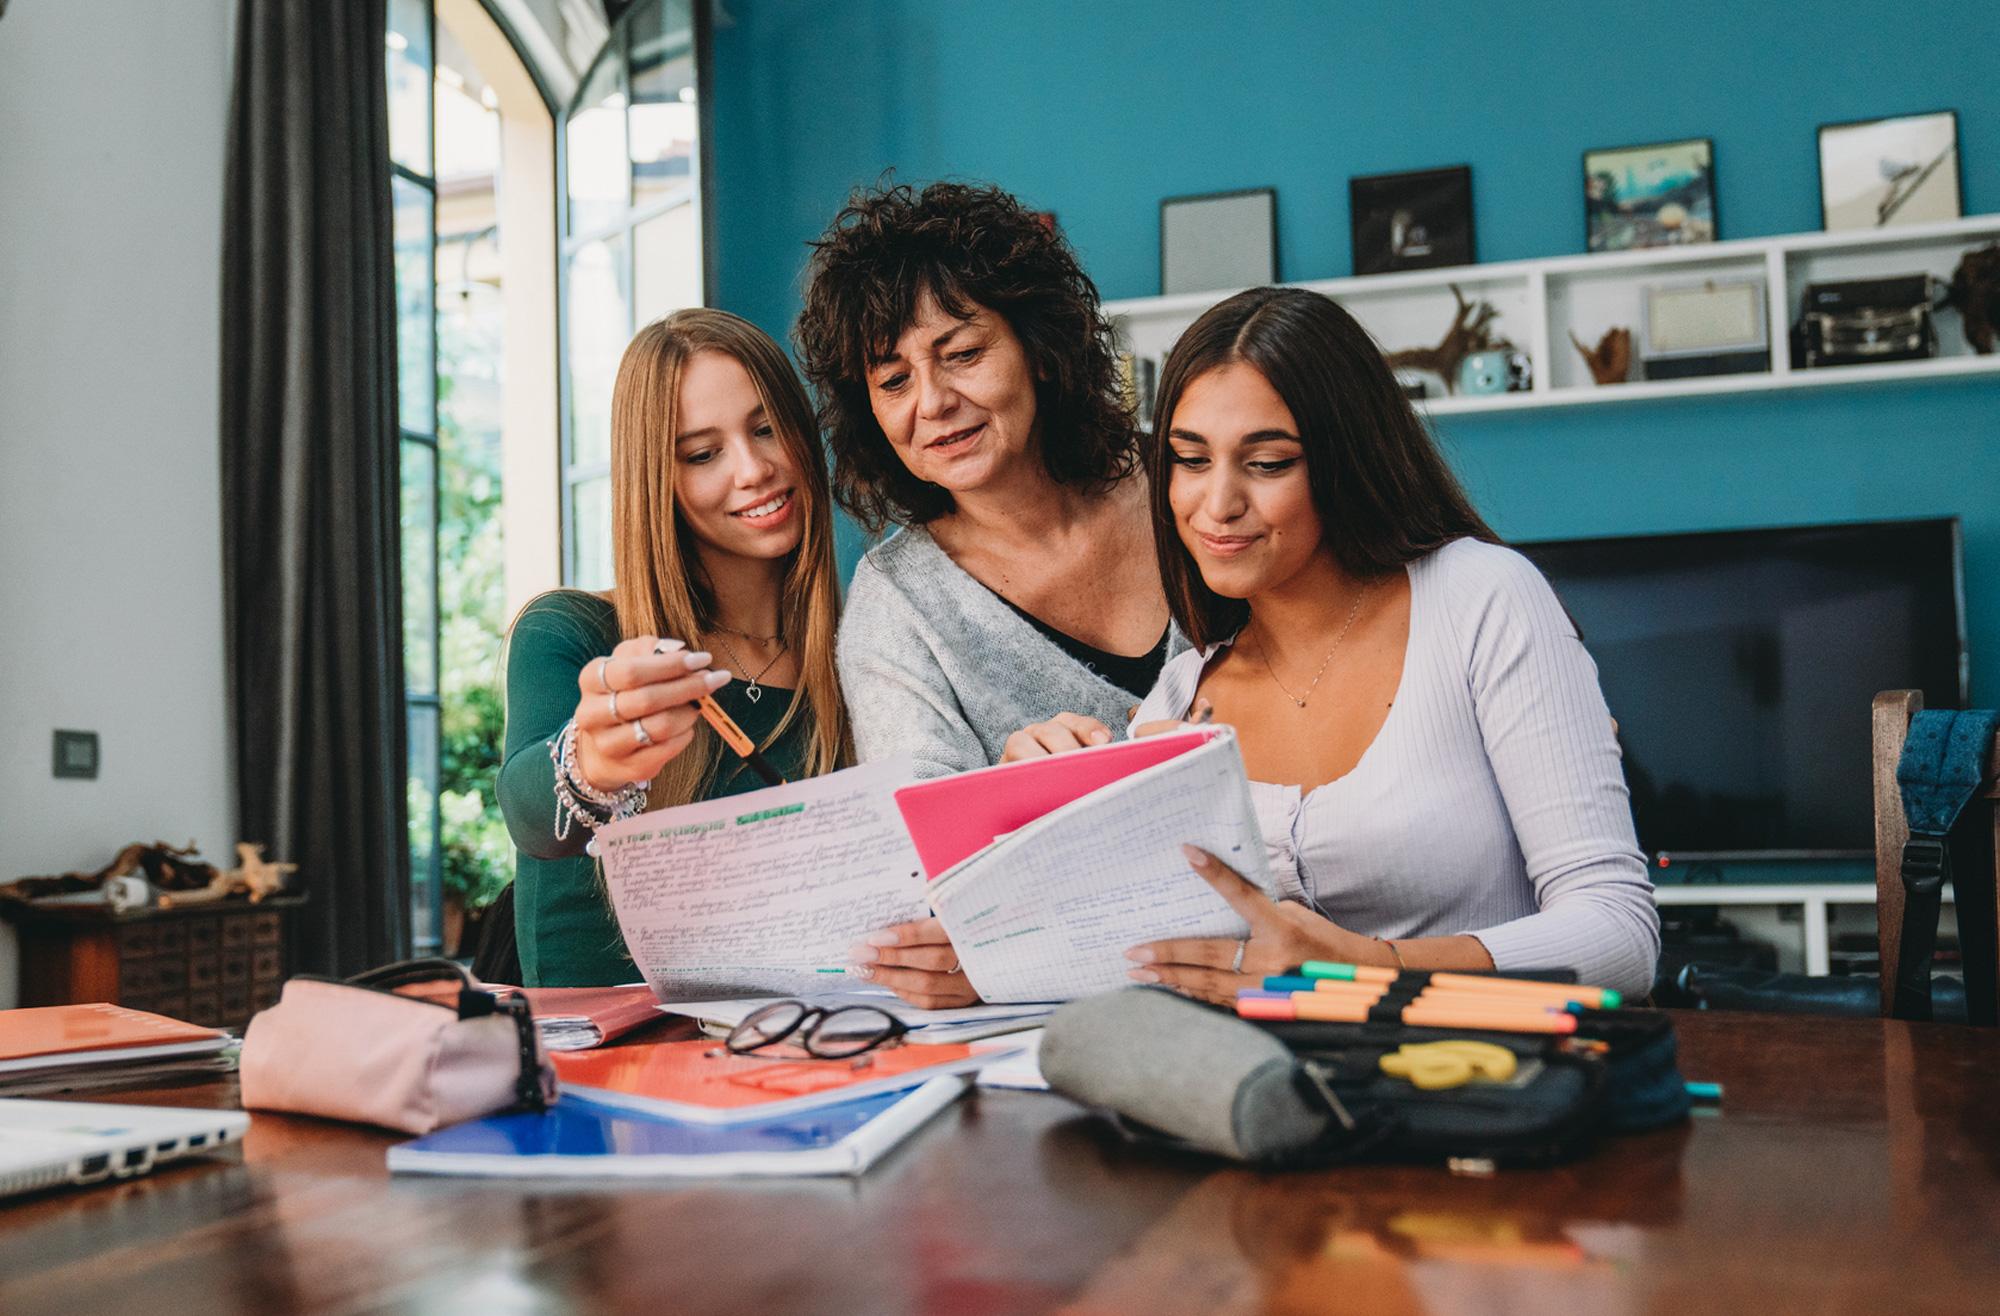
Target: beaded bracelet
(577, 800)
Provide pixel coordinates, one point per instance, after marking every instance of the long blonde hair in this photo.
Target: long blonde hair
(660, 588)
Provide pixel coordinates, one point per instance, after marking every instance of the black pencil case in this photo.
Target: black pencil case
(1176, 1072)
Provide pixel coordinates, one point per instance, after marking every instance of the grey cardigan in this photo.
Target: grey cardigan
(937, 666)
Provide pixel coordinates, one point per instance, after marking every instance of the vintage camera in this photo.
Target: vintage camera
(1862, 321)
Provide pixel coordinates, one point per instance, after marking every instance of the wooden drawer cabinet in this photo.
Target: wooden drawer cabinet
(208, 964)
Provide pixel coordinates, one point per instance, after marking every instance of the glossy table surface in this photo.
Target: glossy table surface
(1852, 1167)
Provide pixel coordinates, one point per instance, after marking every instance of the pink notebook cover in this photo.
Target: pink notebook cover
(954, 817)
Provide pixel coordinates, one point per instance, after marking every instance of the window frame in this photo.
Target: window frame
(426, 889)
(618, 45)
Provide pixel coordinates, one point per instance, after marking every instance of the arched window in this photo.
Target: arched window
(547, 197)
(632, 245)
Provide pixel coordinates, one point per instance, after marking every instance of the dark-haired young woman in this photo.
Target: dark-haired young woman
(1435, 771)
(967, 393)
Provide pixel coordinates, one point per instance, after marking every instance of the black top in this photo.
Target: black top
(1136, 674)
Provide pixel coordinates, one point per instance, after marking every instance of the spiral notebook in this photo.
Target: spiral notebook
(1045, 871)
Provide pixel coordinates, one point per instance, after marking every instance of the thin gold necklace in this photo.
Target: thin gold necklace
(1263, 651)
(751, 691)
(761, 639)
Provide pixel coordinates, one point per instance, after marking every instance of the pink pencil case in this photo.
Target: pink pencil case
(441, 1050)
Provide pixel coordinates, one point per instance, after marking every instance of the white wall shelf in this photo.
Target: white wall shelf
(1811, 899)
(1542, 302)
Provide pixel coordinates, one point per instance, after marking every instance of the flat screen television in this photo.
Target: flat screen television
(1740, 667)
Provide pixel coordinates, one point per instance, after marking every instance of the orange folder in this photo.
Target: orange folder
(80, 1030)
(700, 1081)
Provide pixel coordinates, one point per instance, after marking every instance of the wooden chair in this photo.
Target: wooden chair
(1975, 858)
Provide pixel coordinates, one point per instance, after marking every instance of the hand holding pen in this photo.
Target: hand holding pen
(637, 708)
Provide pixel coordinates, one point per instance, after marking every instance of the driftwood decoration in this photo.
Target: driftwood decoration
(1975, 294)
(1469, 333)
(1611, 360)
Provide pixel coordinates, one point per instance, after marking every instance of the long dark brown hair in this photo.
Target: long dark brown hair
(966, 246)
(1384, 494)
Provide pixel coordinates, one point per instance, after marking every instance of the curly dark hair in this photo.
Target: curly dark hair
(968, 247)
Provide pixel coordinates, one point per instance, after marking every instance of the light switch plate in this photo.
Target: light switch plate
(76, 754)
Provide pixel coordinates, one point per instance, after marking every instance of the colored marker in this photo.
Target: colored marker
(734, 737)
(1312, 1007)
(1596, 998)
(1373, 992)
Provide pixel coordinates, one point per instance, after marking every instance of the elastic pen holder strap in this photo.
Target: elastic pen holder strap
(1400, 994)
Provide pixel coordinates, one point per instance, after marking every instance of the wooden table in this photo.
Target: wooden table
(1852, 1168)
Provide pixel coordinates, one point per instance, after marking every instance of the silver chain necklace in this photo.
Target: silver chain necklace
(1263, 651)
(751, 691)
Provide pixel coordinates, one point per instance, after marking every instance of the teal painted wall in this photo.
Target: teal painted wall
(1096, 110)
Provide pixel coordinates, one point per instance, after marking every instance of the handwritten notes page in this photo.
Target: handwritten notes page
(762, 893)
(1046, 913)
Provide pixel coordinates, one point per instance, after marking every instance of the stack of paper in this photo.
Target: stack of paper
(73, 1048)
(969, 1024)
(578, 1018)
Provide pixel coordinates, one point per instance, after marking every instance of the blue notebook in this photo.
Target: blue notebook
(584, 1139)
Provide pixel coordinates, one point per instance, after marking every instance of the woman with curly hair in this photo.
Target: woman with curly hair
(968, 393)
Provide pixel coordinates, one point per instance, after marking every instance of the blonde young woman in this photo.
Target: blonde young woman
(722, 542)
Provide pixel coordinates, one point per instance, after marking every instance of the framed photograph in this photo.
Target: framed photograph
(1412, 221)
(1220, 241)
(1661, 195)
(1877, 173)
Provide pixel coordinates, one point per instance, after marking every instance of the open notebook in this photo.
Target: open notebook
(1045, 871)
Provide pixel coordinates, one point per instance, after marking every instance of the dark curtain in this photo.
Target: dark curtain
(310, 473)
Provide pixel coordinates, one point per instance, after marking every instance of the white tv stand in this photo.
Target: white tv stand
(1812, 899)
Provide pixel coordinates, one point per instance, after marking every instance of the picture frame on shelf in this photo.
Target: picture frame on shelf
(1880, 173)
(1661, 194)
(1418, 220)
(1219, 241)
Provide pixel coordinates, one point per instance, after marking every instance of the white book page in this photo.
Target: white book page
(733, 1012)
(762, 893)
(1047, 913)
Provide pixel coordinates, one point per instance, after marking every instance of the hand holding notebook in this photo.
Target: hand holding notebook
(1046, 870)
(1043, 871)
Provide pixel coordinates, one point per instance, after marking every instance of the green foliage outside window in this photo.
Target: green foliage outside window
(478, 855)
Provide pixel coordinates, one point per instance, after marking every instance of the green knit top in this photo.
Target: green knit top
(562, 916)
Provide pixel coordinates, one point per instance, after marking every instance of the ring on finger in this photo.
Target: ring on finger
(604, 674)
(1236, 965)
(639, 735)
(954, 966)
(611, 701)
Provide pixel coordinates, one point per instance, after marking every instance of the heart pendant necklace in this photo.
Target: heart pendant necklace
(751, 690)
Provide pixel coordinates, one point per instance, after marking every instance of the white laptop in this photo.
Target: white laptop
(47, 1143)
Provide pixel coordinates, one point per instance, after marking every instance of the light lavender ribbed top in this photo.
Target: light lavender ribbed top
(1493, 800)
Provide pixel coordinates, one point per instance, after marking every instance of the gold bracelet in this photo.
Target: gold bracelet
(1393, 951)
